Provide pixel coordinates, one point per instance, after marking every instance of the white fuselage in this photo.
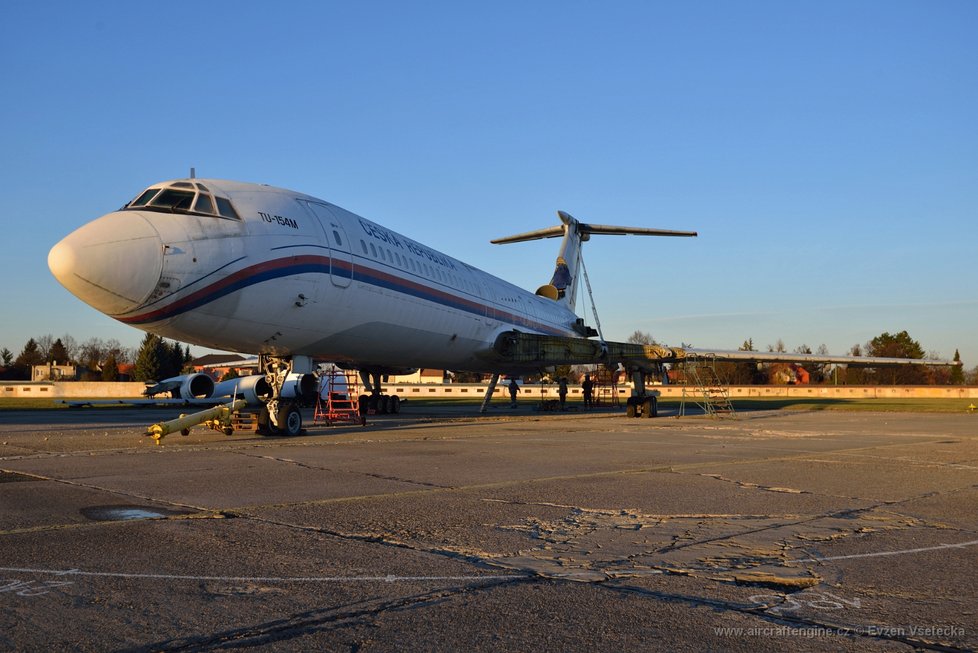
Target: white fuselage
(294, 275)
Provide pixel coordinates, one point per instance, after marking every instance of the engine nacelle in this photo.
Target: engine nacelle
(188, 386)
(301, 386)
(253, 389)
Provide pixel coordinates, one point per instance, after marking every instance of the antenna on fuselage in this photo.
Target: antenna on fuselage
(193, 173)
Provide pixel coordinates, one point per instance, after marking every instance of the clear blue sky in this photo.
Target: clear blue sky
(827, 152)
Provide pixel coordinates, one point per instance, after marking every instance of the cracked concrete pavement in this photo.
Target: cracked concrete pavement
(443, 530)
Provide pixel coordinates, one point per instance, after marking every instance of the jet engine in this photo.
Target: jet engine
(303, 387)
(253, 389)
(188, 386)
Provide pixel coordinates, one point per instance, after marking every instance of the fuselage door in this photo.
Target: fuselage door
(341, 259)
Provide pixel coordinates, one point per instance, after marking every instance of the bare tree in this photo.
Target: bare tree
(44, 344)
(71, 346)
(641, 338)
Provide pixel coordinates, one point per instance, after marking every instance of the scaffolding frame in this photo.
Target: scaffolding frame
(703, 386)
(342, 398)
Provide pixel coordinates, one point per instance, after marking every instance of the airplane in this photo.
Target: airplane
(255, 269)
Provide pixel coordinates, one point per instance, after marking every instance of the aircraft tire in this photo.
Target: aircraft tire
(290, 421)
(630, 410)
(395, 405)
(650, 408)
(264, 424)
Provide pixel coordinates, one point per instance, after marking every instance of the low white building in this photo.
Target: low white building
(53, 372)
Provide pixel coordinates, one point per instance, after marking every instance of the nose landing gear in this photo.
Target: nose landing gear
(287, 377)
(288, 420)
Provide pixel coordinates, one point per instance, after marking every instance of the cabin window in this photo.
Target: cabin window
(363, 246)
(373, 250)
(336, 235)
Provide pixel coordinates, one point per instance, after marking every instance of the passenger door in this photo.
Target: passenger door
(341, 258)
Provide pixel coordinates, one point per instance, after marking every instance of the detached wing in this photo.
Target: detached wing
(784, 357)
(514, 350)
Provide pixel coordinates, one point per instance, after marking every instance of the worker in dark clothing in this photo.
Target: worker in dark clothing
(588, 388)
(514, 388)
(562, 392)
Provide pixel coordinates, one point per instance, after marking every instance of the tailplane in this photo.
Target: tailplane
(563, 284)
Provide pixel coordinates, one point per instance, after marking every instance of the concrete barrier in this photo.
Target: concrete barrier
(70, 389)
(476, 391)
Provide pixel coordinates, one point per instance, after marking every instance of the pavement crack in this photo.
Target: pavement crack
(873, 632)
(318, 468)
(756, 486)
(317, 620)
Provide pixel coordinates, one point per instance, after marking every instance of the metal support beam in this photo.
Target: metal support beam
(491, 389)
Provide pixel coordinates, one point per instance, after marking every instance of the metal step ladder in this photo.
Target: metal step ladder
(704, 387)
(338, 399)
(606, 394)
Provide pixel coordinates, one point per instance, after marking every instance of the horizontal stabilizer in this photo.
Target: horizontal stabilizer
(611, 230)
(549, 232)
(585, 230)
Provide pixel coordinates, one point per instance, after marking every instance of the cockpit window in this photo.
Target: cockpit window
(204, 204)
(184, 197)
(178, 200)
(145, 197)
(224, 208)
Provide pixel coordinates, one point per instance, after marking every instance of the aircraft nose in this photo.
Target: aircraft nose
(113, 263)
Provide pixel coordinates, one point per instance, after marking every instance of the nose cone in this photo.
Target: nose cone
(112, 264)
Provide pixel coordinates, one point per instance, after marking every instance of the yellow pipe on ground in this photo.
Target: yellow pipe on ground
(218, 417)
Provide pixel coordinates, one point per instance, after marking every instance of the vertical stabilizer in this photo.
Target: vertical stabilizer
(565, 277)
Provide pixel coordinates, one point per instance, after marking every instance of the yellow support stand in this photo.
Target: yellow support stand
(217, 418)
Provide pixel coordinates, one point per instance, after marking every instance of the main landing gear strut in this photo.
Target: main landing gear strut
(291, 380)
(643, 403)
(377, 401)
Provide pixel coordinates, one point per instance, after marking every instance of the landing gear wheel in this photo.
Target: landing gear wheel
(630, 409)
(651, 408)
(264, 423)
(394, 405)
(289, 421)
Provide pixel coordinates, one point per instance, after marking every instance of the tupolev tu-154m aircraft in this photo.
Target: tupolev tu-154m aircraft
(255, 269)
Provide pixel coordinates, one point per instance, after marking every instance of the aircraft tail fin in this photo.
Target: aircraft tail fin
(563, 284)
